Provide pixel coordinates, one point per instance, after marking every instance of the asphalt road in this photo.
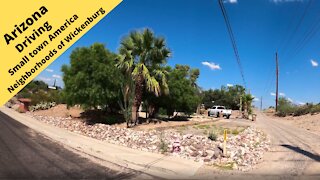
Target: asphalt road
(26, 154)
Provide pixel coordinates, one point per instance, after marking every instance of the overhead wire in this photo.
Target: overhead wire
(315, 27)
(233, 41)
(297, 27)
(292, 18)
(283, 47)
(282, 44)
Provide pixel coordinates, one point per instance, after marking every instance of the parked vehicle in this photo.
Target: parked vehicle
(219, 110)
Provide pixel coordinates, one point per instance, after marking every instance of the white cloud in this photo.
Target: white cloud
(231, 1)
(49, 70)
(212, 65)
(314, 63)
(301, 103)
(230, 85)
(289, 99)
(282, 94)
(56, 76)
(256, 99)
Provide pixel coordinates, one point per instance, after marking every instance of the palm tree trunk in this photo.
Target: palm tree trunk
(137, 99)
(134, 113)
(151, 110)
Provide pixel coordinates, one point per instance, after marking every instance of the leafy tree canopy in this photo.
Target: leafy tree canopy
(226, 96)
(91, 79)
(183, 95)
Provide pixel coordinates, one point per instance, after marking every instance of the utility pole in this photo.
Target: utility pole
(261, 103)
(277, 81)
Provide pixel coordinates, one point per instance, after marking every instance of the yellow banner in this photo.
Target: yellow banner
(35, 33)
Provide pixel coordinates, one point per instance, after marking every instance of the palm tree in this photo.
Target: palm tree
(142, 56)
(247, 102)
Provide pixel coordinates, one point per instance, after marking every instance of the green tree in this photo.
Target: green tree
(247, 103)
(183, 96)
(226, 96)
(127, 92)
(285, 107)
(142, 55)
(91, 79)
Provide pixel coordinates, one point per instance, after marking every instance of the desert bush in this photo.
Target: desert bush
(42, 106)
(302, 110)
(213, 136)
(235, 132)
(315, 109)
(285, 107)
(112, 119)
(163, 145)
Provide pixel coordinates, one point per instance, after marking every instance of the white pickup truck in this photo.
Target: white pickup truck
(219, 110)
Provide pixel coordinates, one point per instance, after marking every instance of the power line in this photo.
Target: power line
(271, 76)
(233, 41)
(308, 36)
(292, 18)
(270, 81)
(298, 25)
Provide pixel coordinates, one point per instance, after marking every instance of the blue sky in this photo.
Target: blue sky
(197, 36)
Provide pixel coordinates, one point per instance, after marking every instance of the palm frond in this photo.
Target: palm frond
(153, 85)
(148, 39)
(143, 56)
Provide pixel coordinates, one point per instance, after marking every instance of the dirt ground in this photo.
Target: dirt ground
(308, 122)
(182, 122)
(60, 110)
(197, 124)
(294, 153)
(217, 126)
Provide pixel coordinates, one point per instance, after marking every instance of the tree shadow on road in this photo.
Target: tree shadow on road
(304, 152)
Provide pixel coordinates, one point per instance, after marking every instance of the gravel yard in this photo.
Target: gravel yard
(245, 145)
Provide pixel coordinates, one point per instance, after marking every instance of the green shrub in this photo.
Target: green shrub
(112, 119)
(163, 145)
(285, 107)
(235, 132)
(162, 111)
(281, 114)
(315, 109)
(302, 110)
(213, 136)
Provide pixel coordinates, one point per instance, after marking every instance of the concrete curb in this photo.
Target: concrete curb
(150, 163)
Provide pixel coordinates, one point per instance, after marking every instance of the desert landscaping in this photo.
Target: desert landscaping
(187, 139)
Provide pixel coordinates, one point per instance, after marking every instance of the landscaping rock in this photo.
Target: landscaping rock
(243, 150)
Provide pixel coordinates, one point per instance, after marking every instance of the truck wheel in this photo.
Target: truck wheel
(209, 113)
(228, 117)
(218, 114)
